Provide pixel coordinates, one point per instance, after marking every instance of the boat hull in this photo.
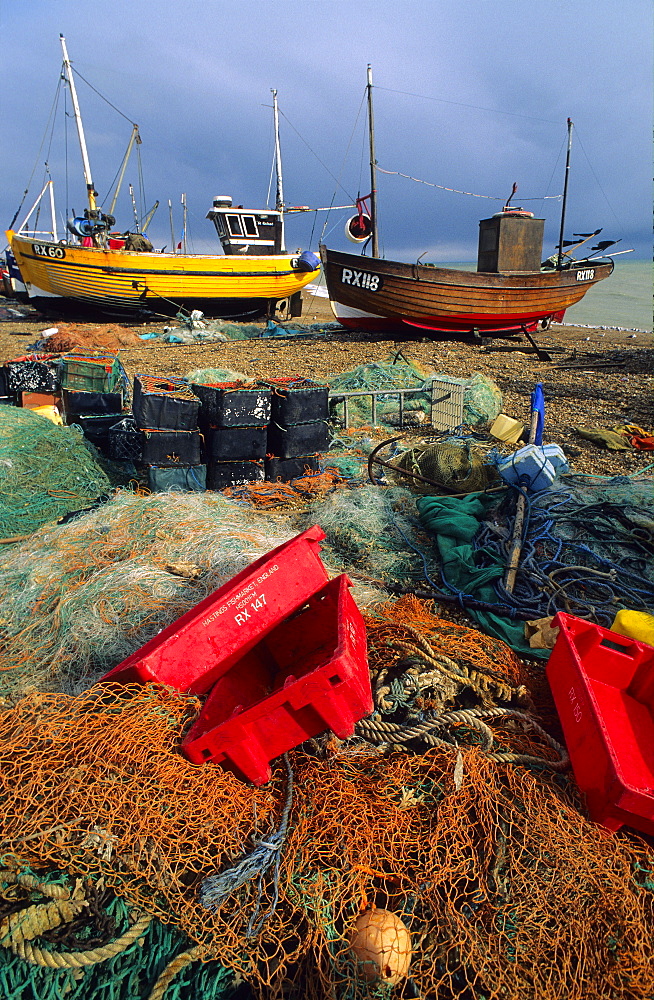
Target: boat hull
(115, 282)
(369, 293)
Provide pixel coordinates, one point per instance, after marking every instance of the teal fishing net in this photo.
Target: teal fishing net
(45, 471)
(196, 330)
(587, 548)
(137, 971)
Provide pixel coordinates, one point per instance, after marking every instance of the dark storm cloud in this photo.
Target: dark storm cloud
(471, 94)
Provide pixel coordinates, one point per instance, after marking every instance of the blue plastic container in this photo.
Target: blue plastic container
(528, 467)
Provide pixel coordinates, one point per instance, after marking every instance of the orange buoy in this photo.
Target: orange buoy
(382, 945)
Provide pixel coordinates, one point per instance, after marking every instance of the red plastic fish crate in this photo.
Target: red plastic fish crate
(192, 652)
(309, 674)
(603, 688)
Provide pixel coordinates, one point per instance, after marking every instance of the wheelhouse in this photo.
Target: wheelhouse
(243, 231)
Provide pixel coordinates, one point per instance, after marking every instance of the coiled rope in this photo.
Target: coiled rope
(375, 730)
(17, 930)
(267, 853)
(34, 884)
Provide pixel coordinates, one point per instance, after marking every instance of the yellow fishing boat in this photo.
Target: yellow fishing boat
(95, 269)
(126, 281)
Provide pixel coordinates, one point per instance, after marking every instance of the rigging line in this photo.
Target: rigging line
(592, 170)
(77, 73)
(349, 144)
(475, 107)
(139, 170)
(324, 165)
(490, 197)
(48, 128)
(554, 168)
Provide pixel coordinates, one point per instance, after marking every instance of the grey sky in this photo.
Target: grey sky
(470, 94)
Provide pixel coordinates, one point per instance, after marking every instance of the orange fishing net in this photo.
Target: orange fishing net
(108, 336)
(506, 890)
(268, 495)
(460, 642)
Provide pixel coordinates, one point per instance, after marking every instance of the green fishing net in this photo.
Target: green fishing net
(482, 400)
(374, 533)
(45, 471)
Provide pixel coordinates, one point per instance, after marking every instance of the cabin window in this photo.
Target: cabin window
(234, 223)
(220, 225)
(250, 225)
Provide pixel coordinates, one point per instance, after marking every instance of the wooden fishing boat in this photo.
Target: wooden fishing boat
(97, 270)
(511, 291)
(369, 293)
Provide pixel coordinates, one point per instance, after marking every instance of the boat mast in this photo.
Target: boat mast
(172, 228)
(90, 188)
(279, 191)
(565, 194)
(373, 168)
(135, 137)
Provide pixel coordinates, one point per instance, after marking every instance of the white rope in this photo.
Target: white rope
(490, 197)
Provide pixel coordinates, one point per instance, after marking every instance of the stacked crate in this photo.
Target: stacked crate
(92, 394)
(234, 420)
(298, 428)
(31, 381)
(6, 397)
(166, 415)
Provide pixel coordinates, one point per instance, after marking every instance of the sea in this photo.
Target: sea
(624, 300)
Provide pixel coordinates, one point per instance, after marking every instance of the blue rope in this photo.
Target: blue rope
(561, 572)
(267, 852)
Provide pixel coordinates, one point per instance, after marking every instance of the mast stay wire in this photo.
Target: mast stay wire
(49, 128)
(474, 107)
(141, 183)
(345, 156)
(313, 153)
(102, 97)
(336, 180)
(322, 164)
(514, 114)
(556, 164)
(592, 170)
(489, 197)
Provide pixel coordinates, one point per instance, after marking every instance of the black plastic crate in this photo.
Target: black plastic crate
(27, 375)
(298, 439)
(285, 469)
(298, 400)
(5, 389)
(164, 404)
(230, 405)
(78, 402)
(224, 444)
(125, 441)
(95, 425)
(180, 478)
(171, 447)
(221, 475)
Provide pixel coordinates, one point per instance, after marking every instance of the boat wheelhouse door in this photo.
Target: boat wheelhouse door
(243, 231)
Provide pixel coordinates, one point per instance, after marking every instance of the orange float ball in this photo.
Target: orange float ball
(382, 944)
